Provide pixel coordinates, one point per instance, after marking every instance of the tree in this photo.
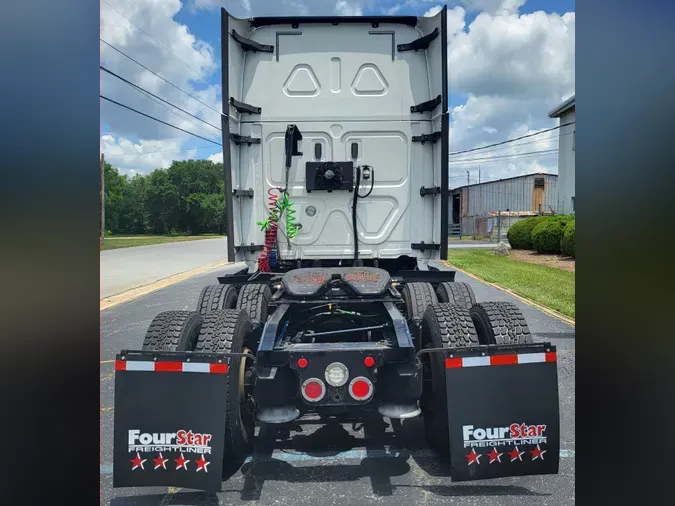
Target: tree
(114, 185)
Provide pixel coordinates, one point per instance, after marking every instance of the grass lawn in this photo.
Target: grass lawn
(551, 287)
(129, 241)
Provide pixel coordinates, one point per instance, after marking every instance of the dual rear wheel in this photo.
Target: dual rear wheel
(224, 322)
(449, 317)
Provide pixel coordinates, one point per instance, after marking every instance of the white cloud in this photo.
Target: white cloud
(144, 156)
(494, 6)
(178, 56)
(216, 157)
(409, 5)
(514, 69)
(344, 8)
(511, 55)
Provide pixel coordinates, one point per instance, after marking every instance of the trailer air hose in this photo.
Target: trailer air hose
(356, 198)
(268, 257)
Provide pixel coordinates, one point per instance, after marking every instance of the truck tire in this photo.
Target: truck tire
(500, 323)
(457, 293)
(417, 297)
(214, 297)
(444, 325)
(255, 298)
(173, 331)
(227, 331)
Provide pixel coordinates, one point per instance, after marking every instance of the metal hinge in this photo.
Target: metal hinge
(243, 193)
(239, 139)
(249, 247)
(251, 45)
(434, 190)
(422, 246)
(427, 137)
(429, 105)
(242, 107)
(421, 43)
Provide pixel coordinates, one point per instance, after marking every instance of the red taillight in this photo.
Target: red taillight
(369, 361)
(313, 389)
(360, 388)
(302, 362)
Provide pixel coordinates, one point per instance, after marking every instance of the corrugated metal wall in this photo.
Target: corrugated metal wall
(517, 194)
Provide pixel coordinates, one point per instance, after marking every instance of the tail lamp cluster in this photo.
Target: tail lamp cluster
(336, 375)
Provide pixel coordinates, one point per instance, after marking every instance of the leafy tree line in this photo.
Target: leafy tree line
(186, 198)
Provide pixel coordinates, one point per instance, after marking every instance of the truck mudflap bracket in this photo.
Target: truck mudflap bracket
(169, 419)
(503, 411)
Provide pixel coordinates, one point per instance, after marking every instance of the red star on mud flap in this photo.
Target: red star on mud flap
(473, 457)
(181, 462)
(537, 453)
(160, 461)
(201, 464)
(494, 455)
(515, 454)
(137, 462)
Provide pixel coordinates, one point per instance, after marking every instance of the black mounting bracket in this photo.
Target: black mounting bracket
(251, 45)
(243, 193)
(429, 105)
(239, 139)
(421, 43)
(427, 137)
(422, 246)
(249, 247)
(435, 190)
(292, 137)
(242, 107)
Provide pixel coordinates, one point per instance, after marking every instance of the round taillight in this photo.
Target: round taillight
(302, 362)
(313, 389)
(360, 388)
(369, 361)
(337, 374)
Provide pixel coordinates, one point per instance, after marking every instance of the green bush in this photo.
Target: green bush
(519, 234)
(547, 235)
(567, 244)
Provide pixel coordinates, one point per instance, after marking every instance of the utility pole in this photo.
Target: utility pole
(467, 178)
(478, 173)
(102, 203)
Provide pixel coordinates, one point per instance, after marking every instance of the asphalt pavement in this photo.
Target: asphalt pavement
(341, 464)
(127, 268)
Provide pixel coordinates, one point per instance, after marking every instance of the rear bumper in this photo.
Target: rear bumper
(394, 373)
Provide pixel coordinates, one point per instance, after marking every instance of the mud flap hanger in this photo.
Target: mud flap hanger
(503, 410)
(169, 419)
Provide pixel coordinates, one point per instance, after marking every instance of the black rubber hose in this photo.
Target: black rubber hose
(356, 197)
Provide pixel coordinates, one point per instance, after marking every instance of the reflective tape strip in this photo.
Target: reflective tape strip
(475, 361)
(204, 367)
(510, 359)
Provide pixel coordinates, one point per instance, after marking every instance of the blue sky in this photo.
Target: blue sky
(490, 102)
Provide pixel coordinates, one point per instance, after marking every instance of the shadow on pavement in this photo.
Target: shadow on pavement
(182, 498)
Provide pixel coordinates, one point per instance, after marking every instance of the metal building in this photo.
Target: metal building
(474, 208)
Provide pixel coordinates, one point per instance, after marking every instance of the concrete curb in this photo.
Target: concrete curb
(134, 293)
(551, 312)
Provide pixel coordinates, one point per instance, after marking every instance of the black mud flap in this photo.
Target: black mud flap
(169, 420)
(503, 411)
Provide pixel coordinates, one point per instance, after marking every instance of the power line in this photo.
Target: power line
(149, 95)
(158, 42)
(162, 78)
(512, 140)
(525, 143)
(519, 155)
(159, 98)
(158, 120)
